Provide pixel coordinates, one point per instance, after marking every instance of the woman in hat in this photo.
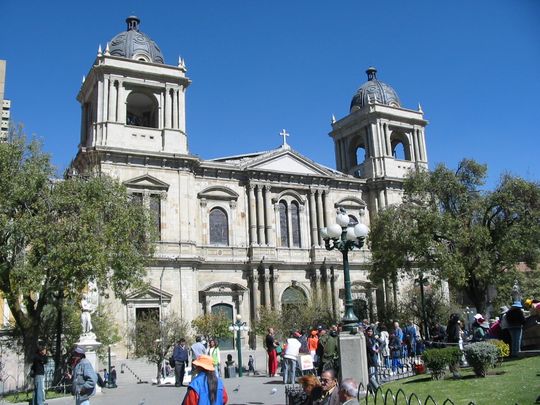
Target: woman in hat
(206, 388)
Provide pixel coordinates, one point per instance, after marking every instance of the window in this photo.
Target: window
(137, 198)
(155, 212)
(295, 224)
(283, 224)
(219, 227)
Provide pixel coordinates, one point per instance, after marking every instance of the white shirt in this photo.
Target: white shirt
(293, 348)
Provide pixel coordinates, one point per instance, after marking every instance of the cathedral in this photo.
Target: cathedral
(239, 232)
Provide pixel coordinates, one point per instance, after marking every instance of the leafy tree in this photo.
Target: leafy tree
(214, 325)
(449, 226)
(154, 342)
(57, 235)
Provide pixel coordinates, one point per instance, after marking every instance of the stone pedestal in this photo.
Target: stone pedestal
(90, 344)
(353, 358)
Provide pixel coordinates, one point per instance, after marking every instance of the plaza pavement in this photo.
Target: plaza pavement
(254, 390)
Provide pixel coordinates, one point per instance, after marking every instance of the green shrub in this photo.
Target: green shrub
(481, 356)
(437, 360)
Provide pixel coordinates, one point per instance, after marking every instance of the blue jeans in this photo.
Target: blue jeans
(515, 340)
(85, 402)
(289, 374)
(39, 390)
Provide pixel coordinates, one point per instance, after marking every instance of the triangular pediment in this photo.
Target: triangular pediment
(149, 293)
(288, 161)
(146, 182)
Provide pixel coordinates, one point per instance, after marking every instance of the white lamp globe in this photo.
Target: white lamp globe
(334, 231)
(350, 234)
(360, 230)
(324, 233)
(342, 219)
(238, 317)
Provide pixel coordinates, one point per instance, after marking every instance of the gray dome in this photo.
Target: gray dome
(133, 44)
(374, 91)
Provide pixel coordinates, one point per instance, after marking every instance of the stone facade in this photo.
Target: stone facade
(239, 232)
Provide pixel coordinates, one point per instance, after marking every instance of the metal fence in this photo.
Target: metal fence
(383, 396)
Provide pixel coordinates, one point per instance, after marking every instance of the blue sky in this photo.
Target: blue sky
(260, 66)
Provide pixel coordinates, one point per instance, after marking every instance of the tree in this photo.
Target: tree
(448, 226)
(154, 340)
(57, 235)
(215, 325)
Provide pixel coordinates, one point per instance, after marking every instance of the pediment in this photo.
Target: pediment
(149, 293)
(146, 182)
(351, 203)
(218, 193)
(289, 162)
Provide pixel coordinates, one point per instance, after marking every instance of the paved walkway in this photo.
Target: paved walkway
(254, 390)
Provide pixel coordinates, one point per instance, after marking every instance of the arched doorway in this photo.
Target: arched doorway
(227, 311)
(293, 297)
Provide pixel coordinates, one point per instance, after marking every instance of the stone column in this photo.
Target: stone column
(121, 103)
(263, 279)
(181, 109)
(270, 234)
(112, 101)
(252, 217)
(175, 108)
(254, 284)
(106, 91)
(267, 290)
(414, 137)
(275, 277)
(313, 218)
(168, 107)
(320, 218)
(260, 215)
(99, 115)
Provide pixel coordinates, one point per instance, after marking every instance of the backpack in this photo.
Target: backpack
(172, 361)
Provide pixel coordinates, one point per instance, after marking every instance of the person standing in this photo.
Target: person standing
(291, 358)
(385, 346)
(198, 348)
(206, 388)
(180, 357)
(313, 341)
(112, 377)
(83, 377)
(213, 351)
(272, 355)
(38, 371)
(372, 349)
(515, 318)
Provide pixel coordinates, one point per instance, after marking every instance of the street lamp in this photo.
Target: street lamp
(344, 236)
(239, 326)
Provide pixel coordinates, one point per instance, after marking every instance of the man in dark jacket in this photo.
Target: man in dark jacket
(83, 377)
(372, 348)
(515, 319)
(180, 356)
(38, 372)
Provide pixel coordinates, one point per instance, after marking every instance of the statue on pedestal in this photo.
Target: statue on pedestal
(89, 304)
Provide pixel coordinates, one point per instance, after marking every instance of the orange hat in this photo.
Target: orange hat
(204, 361)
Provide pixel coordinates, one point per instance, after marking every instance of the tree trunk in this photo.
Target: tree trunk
(58, 344)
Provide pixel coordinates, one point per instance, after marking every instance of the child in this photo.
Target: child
(251, 367)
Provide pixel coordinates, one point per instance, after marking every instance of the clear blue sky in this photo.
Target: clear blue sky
(260, 66)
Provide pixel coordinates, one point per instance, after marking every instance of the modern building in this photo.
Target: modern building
(5, 105)
(239, 232)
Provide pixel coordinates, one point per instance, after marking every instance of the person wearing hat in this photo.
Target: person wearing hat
(515, 319)
(206, 388)
(83, 379)
(480, 328)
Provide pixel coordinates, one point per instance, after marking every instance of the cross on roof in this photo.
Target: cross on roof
(284, 134)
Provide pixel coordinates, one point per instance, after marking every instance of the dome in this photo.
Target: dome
(133, 44)
(374, 91)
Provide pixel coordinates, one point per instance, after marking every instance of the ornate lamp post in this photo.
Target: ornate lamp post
(238, 327)
(344, 237)
(423, 281)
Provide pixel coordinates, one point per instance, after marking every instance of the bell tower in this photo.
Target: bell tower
(131, 99)
(380, 141)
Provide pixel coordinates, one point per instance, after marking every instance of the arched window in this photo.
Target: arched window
(284, 223)
(219, 227)
(295, 224)
(142, 110)
(400, 146)
(293, 297)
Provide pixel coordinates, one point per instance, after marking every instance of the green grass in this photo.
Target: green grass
(515, 382)
(27, 396)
